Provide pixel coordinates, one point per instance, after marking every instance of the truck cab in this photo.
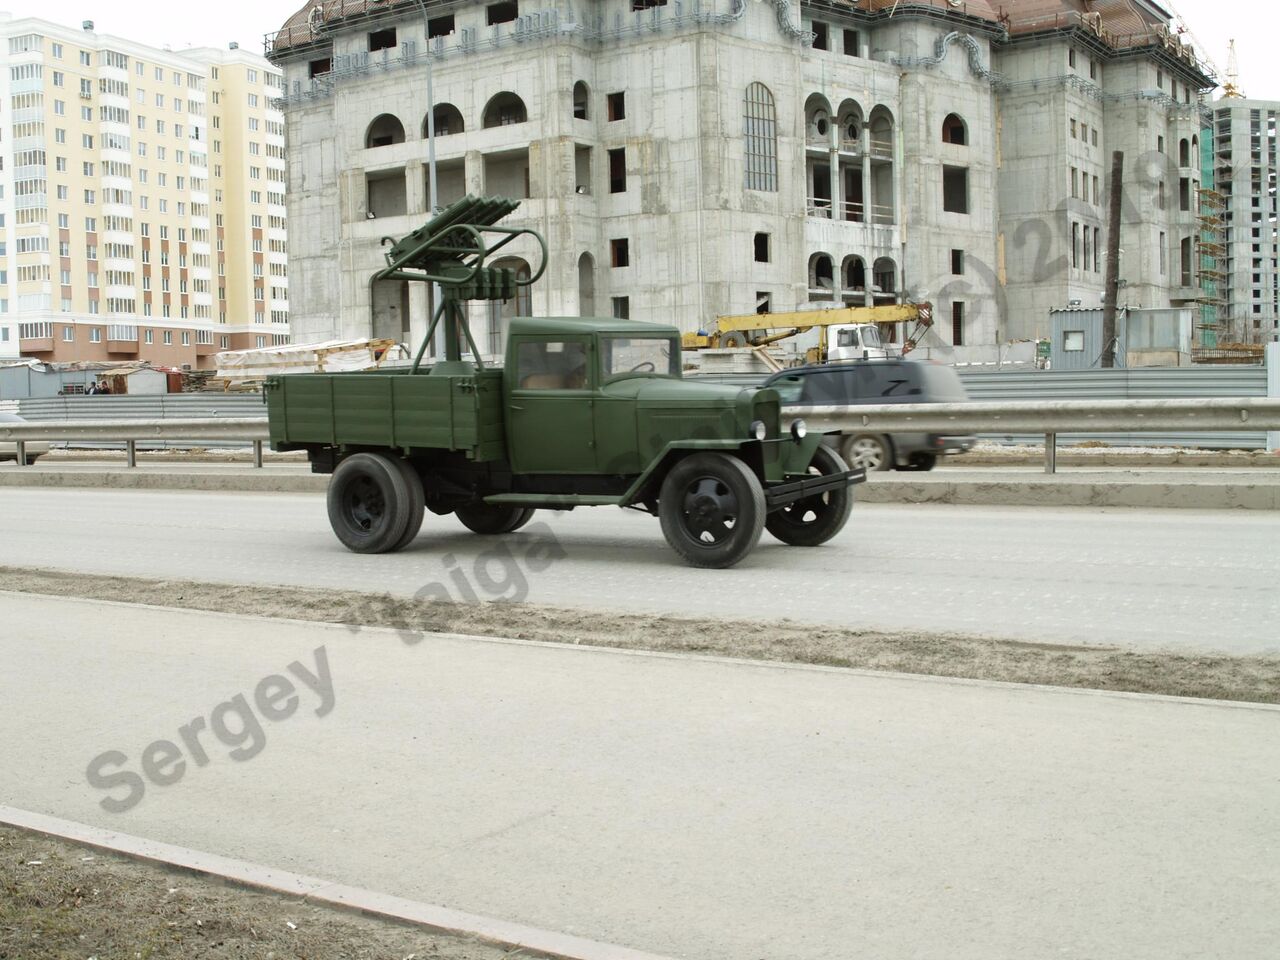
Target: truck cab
(855, 341)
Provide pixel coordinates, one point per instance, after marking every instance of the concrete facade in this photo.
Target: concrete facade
(1245, 166)
(766, 158)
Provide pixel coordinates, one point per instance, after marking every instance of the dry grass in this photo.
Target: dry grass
(63, 901)
(1247, 678)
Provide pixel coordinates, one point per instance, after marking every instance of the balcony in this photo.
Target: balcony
(818, 207)
(881, 149)
(35, 338)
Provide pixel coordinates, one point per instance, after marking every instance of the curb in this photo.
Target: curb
(1075, 493)
(513, 936)
(251, 481)
(1044, 492)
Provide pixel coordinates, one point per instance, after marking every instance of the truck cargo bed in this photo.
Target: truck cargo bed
(389, 408)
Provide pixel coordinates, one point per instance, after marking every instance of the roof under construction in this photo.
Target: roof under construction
(1118, 23)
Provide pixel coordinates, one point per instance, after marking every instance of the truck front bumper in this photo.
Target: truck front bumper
(781, 494)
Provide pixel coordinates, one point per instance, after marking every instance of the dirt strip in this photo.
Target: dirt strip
(1222, 677)
(63, 901)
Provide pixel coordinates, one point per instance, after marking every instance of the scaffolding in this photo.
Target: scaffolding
(1212, 250)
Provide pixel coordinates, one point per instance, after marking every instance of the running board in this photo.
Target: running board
(779, 496)
(552, 501)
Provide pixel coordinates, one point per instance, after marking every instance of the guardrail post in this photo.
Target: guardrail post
(131, 453)
(1271, 357)
(257, 453)
(20, 453)
(1050, 453)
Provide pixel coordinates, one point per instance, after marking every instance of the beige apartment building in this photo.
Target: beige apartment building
(142, 199)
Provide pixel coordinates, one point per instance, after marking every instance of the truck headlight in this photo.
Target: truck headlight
(758, 430)
(798, 429)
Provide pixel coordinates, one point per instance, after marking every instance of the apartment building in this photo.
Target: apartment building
(141, 199)
(1244, 170)
(698, 159)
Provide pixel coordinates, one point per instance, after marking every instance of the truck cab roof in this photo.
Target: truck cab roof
(585, 326)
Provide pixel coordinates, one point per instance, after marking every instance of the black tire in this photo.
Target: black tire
(490, 519)
(816, 519)
(921, 462)
(417, 502)
(368, 501)
(712, 509)
(871, 451)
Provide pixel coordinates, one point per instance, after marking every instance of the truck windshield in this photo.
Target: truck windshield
(623, 355)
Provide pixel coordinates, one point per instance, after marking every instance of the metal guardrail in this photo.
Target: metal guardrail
(253, 430)
(1047, 417)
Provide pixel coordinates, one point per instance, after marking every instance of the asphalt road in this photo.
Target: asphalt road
(1147, 579)
(690, 807)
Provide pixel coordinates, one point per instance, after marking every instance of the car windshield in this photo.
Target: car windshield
(622, 355)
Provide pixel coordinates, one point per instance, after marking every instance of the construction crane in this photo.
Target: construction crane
(1232, 87)
(848, 333)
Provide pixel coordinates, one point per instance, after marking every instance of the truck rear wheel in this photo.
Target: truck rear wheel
(816, 519)
(712, 509)
(417, 502)
(369, 503)
(490, 518)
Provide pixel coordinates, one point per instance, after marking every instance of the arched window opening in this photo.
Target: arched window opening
(1184, 152)
(586, 286)
(501, 311)
(447, 120)
(817, 121)
(384, 131)
(760, 133)
(954, 130)
(821, 277)
(884, 280)
(504, 109)
(581, 101)
(854, 277)
(880, 130)
(850, 126)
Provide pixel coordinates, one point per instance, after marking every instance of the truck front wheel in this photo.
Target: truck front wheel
(814, 520)
(369, 503)
(489, 518)
(712, 509)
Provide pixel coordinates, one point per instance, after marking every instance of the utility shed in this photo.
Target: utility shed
(1144, 338)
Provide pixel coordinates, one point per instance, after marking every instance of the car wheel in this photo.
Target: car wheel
(369, 503)
(816, 519)
(490, 519)
(417, 502)
(921, 462)
(712, 509)
(870, 451)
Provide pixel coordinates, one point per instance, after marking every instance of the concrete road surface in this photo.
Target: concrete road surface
(690, 807)
(1188, 580)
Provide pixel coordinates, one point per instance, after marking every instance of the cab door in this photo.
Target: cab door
(549, 406)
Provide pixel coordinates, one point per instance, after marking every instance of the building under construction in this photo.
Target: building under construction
(696, 158)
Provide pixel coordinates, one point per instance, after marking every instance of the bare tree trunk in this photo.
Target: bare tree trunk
(1111, 299)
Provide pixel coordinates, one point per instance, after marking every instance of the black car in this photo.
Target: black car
(880, 381)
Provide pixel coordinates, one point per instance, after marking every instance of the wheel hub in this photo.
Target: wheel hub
(710, 509)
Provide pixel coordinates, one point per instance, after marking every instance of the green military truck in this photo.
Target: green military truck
(584, 412)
